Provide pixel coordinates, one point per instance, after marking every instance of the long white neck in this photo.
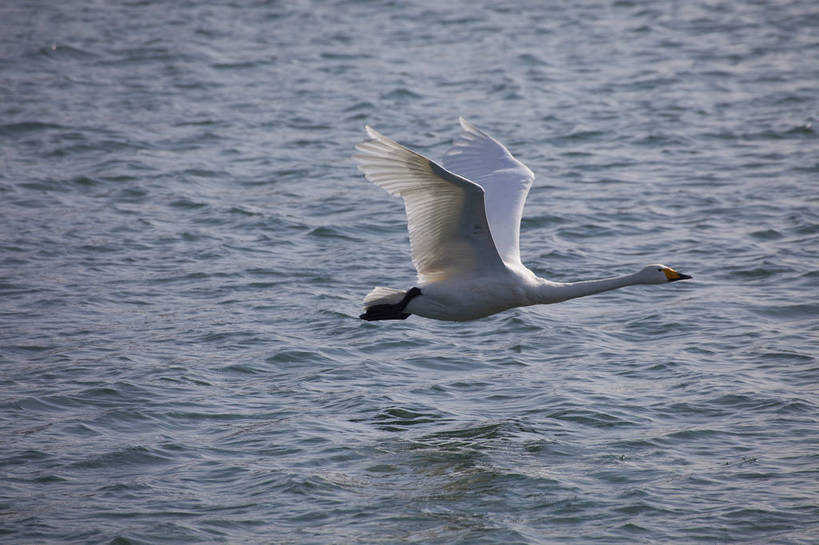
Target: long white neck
(554, 292)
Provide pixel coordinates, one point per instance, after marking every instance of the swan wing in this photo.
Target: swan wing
(506, 181)
(448, 229)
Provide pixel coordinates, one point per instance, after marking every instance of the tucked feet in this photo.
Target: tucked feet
(393, 311)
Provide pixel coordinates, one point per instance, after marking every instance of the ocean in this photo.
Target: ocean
(185, 242)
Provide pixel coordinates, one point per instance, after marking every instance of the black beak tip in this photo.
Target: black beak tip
(684, 277)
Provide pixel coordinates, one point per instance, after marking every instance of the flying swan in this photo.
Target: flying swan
(464, 226)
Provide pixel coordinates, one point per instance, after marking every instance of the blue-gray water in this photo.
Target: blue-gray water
(185, 242)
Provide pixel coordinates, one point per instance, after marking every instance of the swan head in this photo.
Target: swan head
(660, 274)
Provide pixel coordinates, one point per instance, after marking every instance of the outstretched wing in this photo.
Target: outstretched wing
(448, 228)
(506, 181)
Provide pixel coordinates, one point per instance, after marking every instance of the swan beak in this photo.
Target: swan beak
(673, 275)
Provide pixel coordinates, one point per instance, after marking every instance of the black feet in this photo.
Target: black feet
(393, 311)
(383, 312)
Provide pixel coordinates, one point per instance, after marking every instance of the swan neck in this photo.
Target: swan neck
(555, 292)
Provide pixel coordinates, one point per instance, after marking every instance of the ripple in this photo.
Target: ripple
(130, 456)
(397, 419)
(590, 418)
(23, 127)
(401, 94)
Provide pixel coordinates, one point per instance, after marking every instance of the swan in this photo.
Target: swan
(463, 217)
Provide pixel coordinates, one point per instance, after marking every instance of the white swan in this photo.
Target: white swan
(464, 226)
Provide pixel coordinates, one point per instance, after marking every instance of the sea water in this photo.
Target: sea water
(185, 244)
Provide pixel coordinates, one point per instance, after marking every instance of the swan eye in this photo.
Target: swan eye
(660, 270)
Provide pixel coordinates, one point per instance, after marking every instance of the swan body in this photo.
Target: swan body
(464, 223)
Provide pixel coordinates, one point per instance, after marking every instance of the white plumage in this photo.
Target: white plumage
(464, 225)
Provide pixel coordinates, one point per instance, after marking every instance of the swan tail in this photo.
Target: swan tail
(387, 304)
(380, 296)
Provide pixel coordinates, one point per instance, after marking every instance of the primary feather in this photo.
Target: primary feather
(449, 231)
(506, 181)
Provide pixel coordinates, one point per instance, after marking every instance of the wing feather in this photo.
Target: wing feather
(449, 231)
(506, 181)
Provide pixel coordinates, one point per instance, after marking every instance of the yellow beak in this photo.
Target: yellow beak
(673, 275)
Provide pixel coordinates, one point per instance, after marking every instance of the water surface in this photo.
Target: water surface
(186, 242)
